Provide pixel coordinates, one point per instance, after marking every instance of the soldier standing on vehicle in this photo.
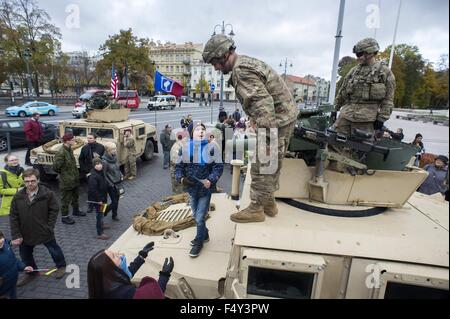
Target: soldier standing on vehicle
(130, 165)
(267, 100)
(69, 179)
(366, 97)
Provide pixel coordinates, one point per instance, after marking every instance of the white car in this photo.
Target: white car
(79, 111)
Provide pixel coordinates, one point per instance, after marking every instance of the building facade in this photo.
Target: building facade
(308, 89)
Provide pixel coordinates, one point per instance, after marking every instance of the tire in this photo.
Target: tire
(51, 113)
(3, 144)
(149, 108)
(22, 114)
(148, 151)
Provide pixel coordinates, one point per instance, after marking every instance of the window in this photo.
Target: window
(395, 290)
(279, 283)
(76, 131)
(103, 133)
(42, 104)
(141, 131)
(15, 124)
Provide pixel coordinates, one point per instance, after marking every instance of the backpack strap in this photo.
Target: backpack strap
(4, 179)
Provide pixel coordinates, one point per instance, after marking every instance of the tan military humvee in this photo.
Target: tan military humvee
(366, 236)
(109, 126)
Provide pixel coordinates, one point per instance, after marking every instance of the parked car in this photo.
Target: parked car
(17, 133)
(159, 102)
(133, 100)
(27, 109)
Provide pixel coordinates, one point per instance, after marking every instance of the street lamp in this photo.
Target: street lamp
(285, 66)
(201, 84)
(27, 55)
(231, 34)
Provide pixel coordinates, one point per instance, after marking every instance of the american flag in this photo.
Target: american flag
(114, 82)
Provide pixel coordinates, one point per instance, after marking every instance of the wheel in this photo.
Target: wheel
(148, 151)
(149, 108)
(51, 113)
(3, 144)
(22, 114)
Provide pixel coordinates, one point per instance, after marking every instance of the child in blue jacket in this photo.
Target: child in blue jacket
(9, 270)
(199, 172)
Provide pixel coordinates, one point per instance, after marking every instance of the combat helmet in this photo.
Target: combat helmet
(216, 47)
(369, 45)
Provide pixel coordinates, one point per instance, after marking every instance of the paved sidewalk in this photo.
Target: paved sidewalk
(79, 242)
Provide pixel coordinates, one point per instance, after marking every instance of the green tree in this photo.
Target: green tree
(125, 49)
(344, 66)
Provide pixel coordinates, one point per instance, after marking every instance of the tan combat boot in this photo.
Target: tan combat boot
(270, 208)
(253, 213)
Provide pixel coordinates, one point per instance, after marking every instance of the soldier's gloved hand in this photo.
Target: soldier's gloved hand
(378, 125)
(186, 181)
(167, 267)
(147, 248)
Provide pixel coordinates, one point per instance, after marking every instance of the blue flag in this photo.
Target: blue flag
(167, 85)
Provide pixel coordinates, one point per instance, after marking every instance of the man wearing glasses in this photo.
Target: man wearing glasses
(34, 211)
(366, 97)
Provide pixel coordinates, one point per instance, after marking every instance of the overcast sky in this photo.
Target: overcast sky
(272, 30)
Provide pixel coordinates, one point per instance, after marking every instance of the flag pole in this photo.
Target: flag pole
(391, 58)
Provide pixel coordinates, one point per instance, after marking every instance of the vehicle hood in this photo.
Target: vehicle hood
(14, 108)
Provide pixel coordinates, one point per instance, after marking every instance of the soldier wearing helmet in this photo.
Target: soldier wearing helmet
(366, 97)
(266, 99)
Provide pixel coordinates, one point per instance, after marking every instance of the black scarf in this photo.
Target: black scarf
(17, 170)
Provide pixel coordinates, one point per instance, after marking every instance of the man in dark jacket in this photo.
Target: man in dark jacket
(90, 151)
(33, 134)
(33, 215)
(436, 181)
(199, 172)
(69, 179)
(167, 143)
(236, 115)
(97, 195)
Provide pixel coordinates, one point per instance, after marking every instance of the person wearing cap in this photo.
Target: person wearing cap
(33, 135)
(437, 180)
(98, 195)
(109, 276)
(130, 145)
(366, 96)
(113, 176)
(267, 100)
(69, 179)
(177, 188)
(198, 170)
(167, 143)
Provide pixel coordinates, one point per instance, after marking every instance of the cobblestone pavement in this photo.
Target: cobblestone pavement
(79, 242)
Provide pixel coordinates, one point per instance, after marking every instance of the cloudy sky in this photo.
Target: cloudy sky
(300, 31)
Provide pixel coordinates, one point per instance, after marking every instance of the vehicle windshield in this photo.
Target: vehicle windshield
(76, 131)
(123, 94)
(154, 98)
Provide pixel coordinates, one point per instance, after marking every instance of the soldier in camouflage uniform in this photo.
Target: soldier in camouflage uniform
(69, 179)
(366, 97)
(266, 99)
(130, 165)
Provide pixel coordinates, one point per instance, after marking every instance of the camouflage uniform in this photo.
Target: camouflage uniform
(267, 100)
(69, 179)
(130, 165)
(177, 188)
(366, 94)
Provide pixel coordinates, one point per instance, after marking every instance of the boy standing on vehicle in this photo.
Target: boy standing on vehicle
(199, 173)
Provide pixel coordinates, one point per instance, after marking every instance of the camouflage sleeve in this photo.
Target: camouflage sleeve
(58, 162)
(387, 103)
(341, 97)
(256, 100)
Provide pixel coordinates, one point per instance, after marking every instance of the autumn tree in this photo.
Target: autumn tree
(126, 50)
